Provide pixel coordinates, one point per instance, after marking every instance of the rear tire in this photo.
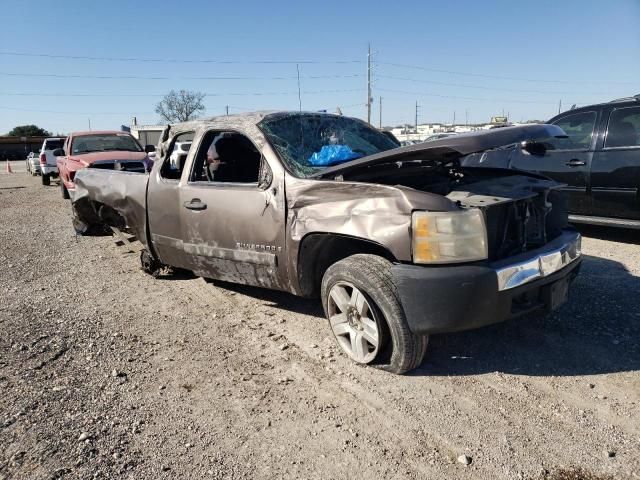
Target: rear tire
(149, 264)
(46, 180)
(65, 192)
(397, 349)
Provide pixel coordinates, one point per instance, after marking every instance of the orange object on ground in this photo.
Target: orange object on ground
(9, 167)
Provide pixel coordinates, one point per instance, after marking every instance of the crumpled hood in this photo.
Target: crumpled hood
(90, 158)
(450, 148)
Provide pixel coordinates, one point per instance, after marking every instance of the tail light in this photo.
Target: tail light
(43, 158)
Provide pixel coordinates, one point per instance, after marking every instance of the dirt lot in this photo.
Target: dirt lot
(106, 372)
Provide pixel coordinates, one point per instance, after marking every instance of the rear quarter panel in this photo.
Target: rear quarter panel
(123, 191)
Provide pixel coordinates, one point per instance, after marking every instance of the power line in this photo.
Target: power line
(308, 62)
(216, 94)
(478, 87)
(141, 77)
(71, 113)
(500, 77)
(421, 94)
(174, 60)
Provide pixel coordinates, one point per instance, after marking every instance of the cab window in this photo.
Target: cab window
(579, 129)
(227, 157)
(176, 156)
(624, 128)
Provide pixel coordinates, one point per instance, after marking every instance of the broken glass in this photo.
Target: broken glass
(310, 142)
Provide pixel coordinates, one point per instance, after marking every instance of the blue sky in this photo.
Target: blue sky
(474, 58)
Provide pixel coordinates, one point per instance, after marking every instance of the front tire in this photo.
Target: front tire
(46, 180)
(364, 311)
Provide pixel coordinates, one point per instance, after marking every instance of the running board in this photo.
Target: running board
(605, 221)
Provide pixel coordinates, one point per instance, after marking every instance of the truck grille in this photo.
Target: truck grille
(523, 225)
(124, 165)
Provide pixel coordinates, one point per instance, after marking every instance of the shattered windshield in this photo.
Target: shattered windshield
(122, 142)
(309, 142)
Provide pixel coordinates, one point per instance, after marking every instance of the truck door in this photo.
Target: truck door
(232, 212)
(567, 160)
(163, 204)
(615, 171)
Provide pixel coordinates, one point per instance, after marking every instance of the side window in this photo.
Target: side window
(579, 130)
(227, 157)
(624, 128)
(176, 156)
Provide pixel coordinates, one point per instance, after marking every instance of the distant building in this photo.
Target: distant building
(17, 148)
(147, 134)
(408, 132)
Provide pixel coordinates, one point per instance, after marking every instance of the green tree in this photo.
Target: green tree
(28, 131)
(180, 106)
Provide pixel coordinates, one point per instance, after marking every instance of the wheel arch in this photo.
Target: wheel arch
(319, 250)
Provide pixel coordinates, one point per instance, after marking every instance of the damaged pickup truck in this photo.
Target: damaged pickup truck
(399, 243)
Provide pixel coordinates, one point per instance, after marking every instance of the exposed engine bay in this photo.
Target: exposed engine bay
(522, 211)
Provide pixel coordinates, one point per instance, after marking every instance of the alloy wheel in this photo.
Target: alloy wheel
(353, 322)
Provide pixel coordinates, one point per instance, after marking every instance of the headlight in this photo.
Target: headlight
(447, 237)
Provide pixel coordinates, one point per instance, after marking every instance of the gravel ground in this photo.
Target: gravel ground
(106, 372)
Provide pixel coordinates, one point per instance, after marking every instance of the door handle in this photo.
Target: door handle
(574, 162)
(195, 204)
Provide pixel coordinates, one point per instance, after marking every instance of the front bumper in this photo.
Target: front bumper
(49, 170)
(451, 298)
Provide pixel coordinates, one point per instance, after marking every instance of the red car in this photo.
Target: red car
(111, 150)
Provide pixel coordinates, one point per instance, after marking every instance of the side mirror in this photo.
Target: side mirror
(58, 152)
(534, 148)
(149, 148)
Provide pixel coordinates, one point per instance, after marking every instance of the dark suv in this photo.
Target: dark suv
(599, 161)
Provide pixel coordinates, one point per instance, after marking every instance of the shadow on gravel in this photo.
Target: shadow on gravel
(597, 331)
(612, 234)
(274, 298)
(97, 231)
(176, 274)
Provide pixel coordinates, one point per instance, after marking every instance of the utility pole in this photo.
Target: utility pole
(380, 113)
(560, 107)
(454, 119)
(466, 118)
(89, 123)
(369, 86)
(299, 93)
(227, 109)
(416, 117)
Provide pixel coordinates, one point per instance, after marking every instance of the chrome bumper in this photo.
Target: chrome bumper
(543, 263)
(48, 169)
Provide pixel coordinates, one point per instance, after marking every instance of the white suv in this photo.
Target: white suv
(48, 166)
(179, 154)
